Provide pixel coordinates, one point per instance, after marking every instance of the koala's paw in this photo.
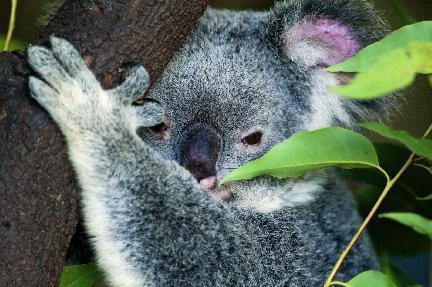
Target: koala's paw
(69, 91)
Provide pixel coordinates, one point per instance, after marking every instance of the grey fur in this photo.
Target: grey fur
(152, 223)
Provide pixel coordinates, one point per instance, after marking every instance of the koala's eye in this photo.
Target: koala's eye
(160, 131)
(252, 139)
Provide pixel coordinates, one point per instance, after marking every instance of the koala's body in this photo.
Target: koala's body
(241, 83)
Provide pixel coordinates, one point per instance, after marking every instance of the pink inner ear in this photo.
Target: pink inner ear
(337, 39)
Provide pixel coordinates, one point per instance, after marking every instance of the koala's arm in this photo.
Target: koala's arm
(147, 214)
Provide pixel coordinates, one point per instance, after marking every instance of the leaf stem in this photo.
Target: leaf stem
(389, 185)
(419, 159)
(428, 132)
(11, 24)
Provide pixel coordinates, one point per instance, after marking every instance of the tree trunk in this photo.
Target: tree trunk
(38, 194)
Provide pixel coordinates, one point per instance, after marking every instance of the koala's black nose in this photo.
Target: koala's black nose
(200, 151)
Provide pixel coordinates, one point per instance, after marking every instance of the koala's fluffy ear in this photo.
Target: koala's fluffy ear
(322, 33)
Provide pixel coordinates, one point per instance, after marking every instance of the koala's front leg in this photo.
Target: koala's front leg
(150, 222)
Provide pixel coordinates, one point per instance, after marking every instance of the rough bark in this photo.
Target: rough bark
(38, 195)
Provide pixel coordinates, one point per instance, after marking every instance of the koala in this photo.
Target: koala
(242, 82)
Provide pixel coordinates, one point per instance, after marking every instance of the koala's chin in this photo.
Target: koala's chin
(266, 194)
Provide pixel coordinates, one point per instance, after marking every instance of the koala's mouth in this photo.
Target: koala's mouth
(209, 183)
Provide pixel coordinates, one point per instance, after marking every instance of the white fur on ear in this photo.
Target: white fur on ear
(320, 42)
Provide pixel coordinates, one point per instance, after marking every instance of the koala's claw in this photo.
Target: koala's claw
(47, 66)
(61, 65)
(69, 58)
(40, 90)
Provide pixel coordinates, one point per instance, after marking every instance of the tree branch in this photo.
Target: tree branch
(38, 196)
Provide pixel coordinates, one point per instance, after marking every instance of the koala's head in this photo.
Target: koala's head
(244, 81)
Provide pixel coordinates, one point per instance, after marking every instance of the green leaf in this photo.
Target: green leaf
(306, 151)
(366, 58)
(80, 275)
(422, 147)
(417, 222)
(421, 54)
(371, 279)
(392, 72)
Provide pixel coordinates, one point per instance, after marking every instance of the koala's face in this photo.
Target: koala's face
(230, 95)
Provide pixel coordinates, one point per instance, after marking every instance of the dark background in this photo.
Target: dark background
(415, 113)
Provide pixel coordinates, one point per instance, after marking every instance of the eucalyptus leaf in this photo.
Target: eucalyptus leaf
(84, 275)
(417, 222)
(421, 54)
(371, 279)
(306, 151)
(422, 147)
(366, 58)
(394, 71)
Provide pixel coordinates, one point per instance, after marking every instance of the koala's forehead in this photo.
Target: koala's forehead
(228, 63)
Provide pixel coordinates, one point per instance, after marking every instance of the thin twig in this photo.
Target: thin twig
(11, 24)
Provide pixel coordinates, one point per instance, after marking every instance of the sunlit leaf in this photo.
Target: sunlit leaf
(371, 279)
(422, 147)
(393, 71)
(417, 222)
(418, 32)
(421, 54)
(306, 151)
(80, 275)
